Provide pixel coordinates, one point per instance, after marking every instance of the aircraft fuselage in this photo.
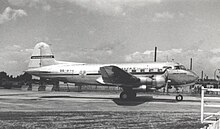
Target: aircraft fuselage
(88, 73)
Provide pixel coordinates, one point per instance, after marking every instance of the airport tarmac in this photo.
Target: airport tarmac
(32, 109)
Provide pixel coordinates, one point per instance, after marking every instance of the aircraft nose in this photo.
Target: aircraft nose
(194, 76)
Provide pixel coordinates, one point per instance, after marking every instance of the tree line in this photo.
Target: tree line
(9, 81)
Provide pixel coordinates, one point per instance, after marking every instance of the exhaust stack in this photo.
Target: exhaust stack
(155, 54)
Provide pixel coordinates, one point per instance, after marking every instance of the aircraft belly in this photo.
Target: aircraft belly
(88, 79)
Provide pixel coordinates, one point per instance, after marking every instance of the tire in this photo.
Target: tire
(128, 95)
(124, 95)
(179, 98)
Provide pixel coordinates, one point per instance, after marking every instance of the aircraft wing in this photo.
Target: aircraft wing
(116, 76)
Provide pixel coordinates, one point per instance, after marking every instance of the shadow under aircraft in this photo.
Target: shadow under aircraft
(134, 102)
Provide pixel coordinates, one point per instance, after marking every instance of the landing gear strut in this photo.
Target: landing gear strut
(128, 94)
(179, 98)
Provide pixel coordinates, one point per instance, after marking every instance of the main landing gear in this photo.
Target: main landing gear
(179, 97)
(128, 94)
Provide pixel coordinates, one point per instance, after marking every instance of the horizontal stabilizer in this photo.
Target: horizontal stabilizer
(115, 75)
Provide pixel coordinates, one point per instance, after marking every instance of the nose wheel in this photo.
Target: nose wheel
(179, 98)
(125, 95)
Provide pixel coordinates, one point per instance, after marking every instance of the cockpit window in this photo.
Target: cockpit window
(167, 67)
(176, 67)
(180, 67)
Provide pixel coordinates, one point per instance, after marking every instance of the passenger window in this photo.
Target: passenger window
(133, 71)
(142, 70)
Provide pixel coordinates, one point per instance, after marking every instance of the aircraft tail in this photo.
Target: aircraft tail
(42, 56)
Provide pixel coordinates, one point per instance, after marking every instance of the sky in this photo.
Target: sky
(111, 31)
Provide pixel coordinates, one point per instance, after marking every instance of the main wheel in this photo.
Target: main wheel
(179, 98)
(128, 95)
(124, 95)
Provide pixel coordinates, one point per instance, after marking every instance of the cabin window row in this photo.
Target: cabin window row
(133, 70)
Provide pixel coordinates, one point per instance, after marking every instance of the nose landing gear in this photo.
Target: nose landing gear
(178, 97)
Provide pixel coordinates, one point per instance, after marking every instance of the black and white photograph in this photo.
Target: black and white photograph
(109, 64)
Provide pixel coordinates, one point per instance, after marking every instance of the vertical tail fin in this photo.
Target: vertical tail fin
(42, 56)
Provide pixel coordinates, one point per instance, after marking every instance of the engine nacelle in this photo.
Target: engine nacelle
(144, 88)
(156, 81)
